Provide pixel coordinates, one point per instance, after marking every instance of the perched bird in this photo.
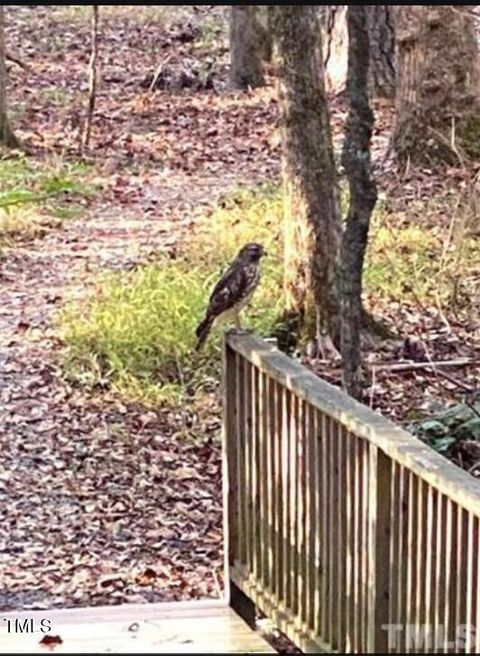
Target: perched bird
(233, 291)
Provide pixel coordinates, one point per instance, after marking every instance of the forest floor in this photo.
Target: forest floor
(106, 501)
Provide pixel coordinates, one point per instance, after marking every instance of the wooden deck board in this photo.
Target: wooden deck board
(190, 627)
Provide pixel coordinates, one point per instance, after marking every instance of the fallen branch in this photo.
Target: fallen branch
(405, 366)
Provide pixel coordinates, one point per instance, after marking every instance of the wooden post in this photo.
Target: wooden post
(379, 520)
(229, 453)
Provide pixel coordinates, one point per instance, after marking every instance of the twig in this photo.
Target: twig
(455, 381)
(450, 145)
(17, 61)
(405, 366)
(92, 77)
(158, 71)
(471, 406)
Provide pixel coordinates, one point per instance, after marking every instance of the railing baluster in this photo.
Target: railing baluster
(342, 510)
(303, 516)
(364, 588)
(410, 557)
(421, 557)
(287, 570)
(316, 528)
(450, 573)
(379, 513)
(272, 485)
(472, 548)
(293, 460)
(280, 523)
(264, 545)
(393, 558)
(257, 445)
(248, 441)
(230, 454)
(241, 446)
(460, 593)
(477, 589)
(326, 515)
(440, 567)
(357, 531)
(349, 605)
(430, 561)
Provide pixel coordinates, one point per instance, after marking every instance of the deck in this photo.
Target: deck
(183, 627)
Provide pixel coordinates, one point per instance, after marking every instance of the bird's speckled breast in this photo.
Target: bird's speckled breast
(252, 274)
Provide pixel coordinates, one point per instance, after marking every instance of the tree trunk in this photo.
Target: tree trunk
(333, 21)
(381, 34)
(246, 47)
(363, 194)
(7, 137)
(92, 78)
(265, 30)
(312, 209)
(437, 98)
(381, 39)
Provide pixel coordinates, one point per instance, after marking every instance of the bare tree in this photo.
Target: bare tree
(92, 77)
(7, 137)
(312, 208)
(246, 47)
(363, 194)
(437, 99)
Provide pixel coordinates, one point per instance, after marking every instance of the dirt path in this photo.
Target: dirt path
(104, 502)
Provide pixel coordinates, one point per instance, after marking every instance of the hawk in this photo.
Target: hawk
(233, 291)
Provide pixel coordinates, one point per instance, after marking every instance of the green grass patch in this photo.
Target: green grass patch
(428, 254)
(140, 14)
(136, 330)
(32, 190)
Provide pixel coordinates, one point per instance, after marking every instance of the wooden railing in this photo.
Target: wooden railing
(347, 531)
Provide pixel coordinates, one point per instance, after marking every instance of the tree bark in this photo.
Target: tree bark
(312, 208)
(7, 137)
(381, 39)
(333, 20)
(92, 78)
(381, 34)
(363, 194)
(264, 17)
(247, 45)
(437, 97)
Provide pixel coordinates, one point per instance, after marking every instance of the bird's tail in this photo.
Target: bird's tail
(202, 331)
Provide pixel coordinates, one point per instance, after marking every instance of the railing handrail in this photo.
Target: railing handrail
(400, 445)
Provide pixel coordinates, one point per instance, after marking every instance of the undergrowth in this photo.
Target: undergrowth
(136, 331)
